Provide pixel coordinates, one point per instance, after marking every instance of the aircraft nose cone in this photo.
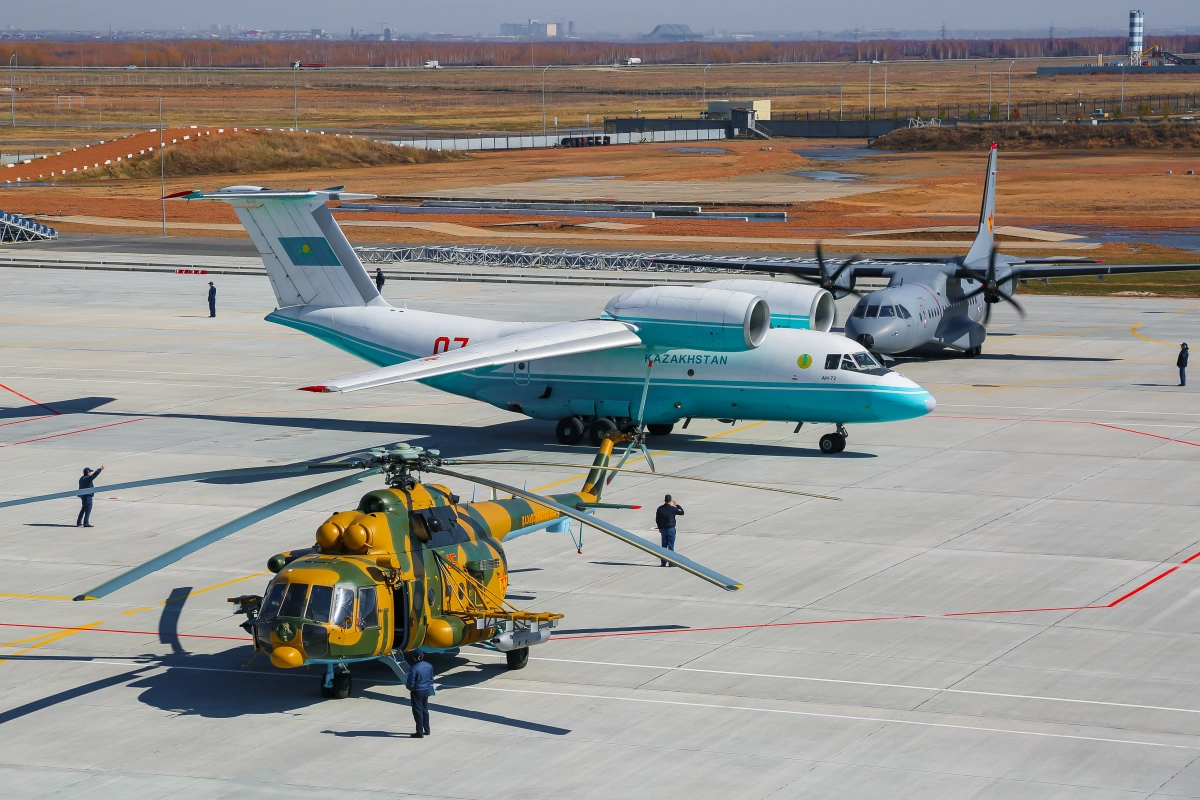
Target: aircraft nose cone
(895, 397)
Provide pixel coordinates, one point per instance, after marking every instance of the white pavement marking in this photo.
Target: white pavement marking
(651, 701)
(857, 683)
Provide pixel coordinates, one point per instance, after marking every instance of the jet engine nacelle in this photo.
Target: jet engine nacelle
(793, 305)
(695, 317)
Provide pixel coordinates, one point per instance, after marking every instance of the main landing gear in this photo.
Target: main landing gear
(517, 659)
(971, 352)
(335, 685)
(572, 430)
(834, 442)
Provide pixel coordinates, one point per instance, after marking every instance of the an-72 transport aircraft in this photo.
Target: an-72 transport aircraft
(728, 350)
(933, 303)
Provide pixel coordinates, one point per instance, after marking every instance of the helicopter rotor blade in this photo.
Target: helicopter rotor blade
(651, 474)
(649, 460)
(699, 570)
(222, 531)
(283, 470)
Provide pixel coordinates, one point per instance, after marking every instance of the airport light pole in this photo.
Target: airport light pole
(12, 89)
(1010, 66)
(544, 100)
(870, 67)
(841, 86)
(162, 167)
(295, 95)
(1122, 88)
(704, 87)
(885, 88)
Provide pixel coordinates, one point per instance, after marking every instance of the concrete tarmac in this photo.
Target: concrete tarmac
(998, 606)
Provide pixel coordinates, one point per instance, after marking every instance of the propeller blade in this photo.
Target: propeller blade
(848, 262)
(821, 263)
(284, 469)
(652, 474)
(217, 534)
(699, 570)
(987, 314)
(974, 293)
(649, 460)
(1010, 299)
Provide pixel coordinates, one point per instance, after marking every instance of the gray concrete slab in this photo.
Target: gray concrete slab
(892, 644)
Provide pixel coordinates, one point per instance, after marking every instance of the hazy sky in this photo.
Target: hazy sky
(624, 16)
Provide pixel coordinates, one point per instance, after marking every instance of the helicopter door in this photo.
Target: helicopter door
(400, 617)
(521, 373)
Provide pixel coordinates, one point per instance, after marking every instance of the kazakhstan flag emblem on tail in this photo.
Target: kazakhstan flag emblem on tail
(309, 251)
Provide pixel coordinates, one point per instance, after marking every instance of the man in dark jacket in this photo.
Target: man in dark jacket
(664, 520)
(212, 299)
(420, 684)
(1181, 362)
(86, 482)
(379, 279)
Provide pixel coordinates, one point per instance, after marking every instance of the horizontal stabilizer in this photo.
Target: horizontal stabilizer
(551, 341)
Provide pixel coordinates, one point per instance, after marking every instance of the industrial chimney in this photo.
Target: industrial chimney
(1135, 37)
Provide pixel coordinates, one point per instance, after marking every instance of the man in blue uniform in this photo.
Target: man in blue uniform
(664, 520)
(212, 299)
(86, 482)
(1181, 362)
(420, 685)
(379, 279)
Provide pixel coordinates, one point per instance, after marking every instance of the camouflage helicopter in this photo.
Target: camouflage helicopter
(412, 567)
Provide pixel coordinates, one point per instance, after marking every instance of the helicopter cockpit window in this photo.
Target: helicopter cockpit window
(886, 311)
(293, 603)
(274, 597)
(319, 601)
(368, 608)
(342, 613)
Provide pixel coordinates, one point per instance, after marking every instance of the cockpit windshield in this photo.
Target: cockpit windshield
(293, 602)
(886, 311)
(866, 361)
(342, 613)
(274, 597)
(319, 600)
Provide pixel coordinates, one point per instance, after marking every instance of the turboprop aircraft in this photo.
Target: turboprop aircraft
(933, 303)
(728, 350)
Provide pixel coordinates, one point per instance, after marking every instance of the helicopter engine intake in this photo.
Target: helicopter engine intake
(694, 317)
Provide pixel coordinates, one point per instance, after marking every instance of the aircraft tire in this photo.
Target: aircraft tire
(971, 352)
(660, 430)
(341, 685)
(832, 443)
(599, 428)
(570, 430)
(517, 659)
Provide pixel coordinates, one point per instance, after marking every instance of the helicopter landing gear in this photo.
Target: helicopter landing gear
(336, 683)
(569, 430)
(517, 659)
(834, 442)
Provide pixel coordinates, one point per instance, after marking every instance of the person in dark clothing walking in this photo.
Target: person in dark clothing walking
(1181, 362)
(86, 482)
(212, 299)
(379, 279)
(420, 685)
(664, 520)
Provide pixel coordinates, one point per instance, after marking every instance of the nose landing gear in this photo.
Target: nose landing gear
(834, 442)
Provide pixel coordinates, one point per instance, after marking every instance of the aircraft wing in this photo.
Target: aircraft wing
(1068, 270)
(551, 341)
(800, 269)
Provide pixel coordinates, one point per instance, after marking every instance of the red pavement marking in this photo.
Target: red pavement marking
(30, 399)
(1113, 604)
(1071, 422)
(71, 433)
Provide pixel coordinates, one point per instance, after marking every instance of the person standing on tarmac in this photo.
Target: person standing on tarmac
(1181, 362)
(85, 511)
(212, 299)
(420, 685)
(379, 279)
(664, 520)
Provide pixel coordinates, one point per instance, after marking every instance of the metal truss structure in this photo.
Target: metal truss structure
(19, 229)
(527, 257)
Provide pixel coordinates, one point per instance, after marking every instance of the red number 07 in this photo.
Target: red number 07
(442, 343)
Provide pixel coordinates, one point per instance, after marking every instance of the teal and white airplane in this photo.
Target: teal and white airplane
(726, 350)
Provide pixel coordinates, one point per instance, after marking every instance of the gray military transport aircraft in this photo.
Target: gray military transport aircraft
(933, 303)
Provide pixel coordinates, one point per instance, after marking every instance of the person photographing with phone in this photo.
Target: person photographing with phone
(664, 520)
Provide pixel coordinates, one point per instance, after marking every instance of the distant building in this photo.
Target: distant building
(387, 34)
(673, 33)
(720, 109)
(533, 28)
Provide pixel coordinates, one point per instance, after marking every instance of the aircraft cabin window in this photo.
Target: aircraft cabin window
(886, 311)
(368, 608)
(860, 310)
(271, 604)
(293, 603)
(343, 607)
(872, 311)
(319, 601)
(832, 360)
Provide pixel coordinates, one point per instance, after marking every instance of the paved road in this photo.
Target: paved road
(975, 618)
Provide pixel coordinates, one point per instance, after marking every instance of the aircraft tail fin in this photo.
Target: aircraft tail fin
(307, 257)
(981, 248)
